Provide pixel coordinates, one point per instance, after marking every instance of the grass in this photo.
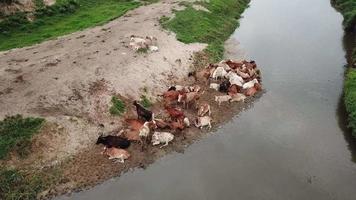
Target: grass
(348, 10)
(18, 185)
(212, 27)
(39, 4)
(350, 95)
(145, 102)
(118, 106)
(16, 133)
(65, 17)
(142, 50)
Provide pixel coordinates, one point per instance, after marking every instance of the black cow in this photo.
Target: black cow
(143, 113)
(224, 86)
(113, 141)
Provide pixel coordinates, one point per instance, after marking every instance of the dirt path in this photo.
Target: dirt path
(70, 80)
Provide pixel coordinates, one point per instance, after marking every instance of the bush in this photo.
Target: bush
(63, 7)
(118, 106)
(348, 10)
(16, 133)
(350, 98)
(16, 20)
(350, 93)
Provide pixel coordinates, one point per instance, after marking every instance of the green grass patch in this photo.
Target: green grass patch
(212, 27)
(39, 4)
(65, 17)
(142, 50)
(16, 133)
(348, 10)
(118, 106)
(350, 95)
(16, 185)
(145, 102)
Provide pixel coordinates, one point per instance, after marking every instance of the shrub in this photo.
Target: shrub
(348, 10)
(350, 98)
(118, 106)
(16, 133)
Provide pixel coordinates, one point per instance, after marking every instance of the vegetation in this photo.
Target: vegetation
(348, 10)
(39, 4)
(118, 106)
(16, 185)
(213, 27)
(350, 96)
(145, 102)
(66, 16)
(16, 133)
(142, 50)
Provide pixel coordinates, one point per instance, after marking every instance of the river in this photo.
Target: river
(291, 144)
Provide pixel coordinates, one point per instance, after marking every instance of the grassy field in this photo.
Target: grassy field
(16, 133)
(213, 27)
(348, 10)
(65, 17)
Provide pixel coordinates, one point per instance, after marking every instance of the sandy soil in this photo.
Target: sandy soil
(70, 80)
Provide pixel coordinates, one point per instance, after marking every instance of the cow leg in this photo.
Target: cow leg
(209, 126)
(164, 145)
(121, 159)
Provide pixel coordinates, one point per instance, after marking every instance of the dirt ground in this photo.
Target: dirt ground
(69, 81)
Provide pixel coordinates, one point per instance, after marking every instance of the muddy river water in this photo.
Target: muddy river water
(292, 144)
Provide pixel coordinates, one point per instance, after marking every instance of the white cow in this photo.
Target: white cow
(162, 137)
(219, 72)
(215, 86)
(222, 98)
(238, 97)
(249, 84)
(203, 121)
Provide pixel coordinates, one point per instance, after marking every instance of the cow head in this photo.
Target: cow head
(101, 140)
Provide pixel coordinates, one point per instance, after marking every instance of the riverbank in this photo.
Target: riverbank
(348, 9)
(70, 82)
(350, 93)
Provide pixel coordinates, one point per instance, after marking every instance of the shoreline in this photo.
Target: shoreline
(346, 8)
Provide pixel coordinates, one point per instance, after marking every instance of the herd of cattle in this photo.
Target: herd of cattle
(235, 80)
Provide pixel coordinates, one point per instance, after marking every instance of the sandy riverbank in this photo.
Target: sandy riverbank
(70, 81)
